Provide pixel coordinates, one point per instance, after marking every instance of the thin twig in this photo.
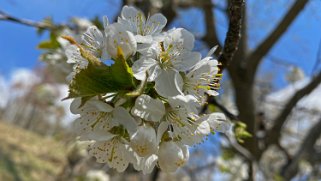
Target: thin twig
(41, 25)
(224, 110)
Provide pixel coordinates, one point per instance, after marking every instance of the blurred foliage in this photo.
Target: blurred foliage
(240, 131)
(26, 156)
(52, 43)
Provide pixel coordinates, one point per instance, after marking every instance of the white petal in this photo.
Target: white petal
(169, 83)
(187, 102)
(97, 135)
(93, 122)
(146, 164)
(149, 164)
(148, 108)
(101, 106)
(172, 156)
(153, 73)
(212, 93)
(118, 37)
(180, 39)
(121, 158)
(143, 141)
(144, 39)
(203, 129)
(93, 40)
(122, 116)
(217, 122)
(129, 13)
(162, 128)
(155, 24)
(212, 50)
(113, 152)
(105, 22)
(74, 56)
(186, 61)
(143, 48)
(132, 19)
(74, 106)
(141, 66)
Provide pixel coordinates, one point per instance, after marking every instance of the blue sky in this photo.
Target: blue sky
(299, 46)
(18, 43)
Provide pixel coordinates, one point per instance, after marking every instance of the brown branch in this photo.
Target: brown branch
(306, 148)
(275, 132)
(257, 55)
(223, 109)
(288, 156)
(41, 25)
(233, 35)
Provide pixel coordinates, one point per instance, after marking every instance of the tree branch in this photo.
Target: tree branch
(232, 37)
(257, 55)
(233, 34)
(290, 169)
(223, 109)
(275, 132)
(41, 25)
(240, 149)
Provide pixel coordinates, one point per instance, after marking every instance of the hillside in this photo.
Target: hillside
(27, 156)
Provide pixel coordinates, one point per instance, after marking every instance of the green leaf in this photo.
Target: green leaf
(52, 43)
(122, 73)
(97, 79)
(240, 132)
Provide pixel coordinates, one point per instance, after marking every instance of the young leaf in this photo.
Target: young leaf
(98, 79)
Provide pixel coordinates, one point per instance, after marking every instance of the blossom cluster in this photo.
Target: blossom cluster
(138, 92)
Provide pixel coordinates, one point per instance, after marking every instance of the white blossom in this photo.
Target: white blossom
(135, 21)
(154, 118)
(113, 152)
(143, 141)
(217, 122)
(120, 42)
(171, 156)
(199, 80)
(148, 108)
(166, 59)
(145, 164)
(95, 42)
(98, 117)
